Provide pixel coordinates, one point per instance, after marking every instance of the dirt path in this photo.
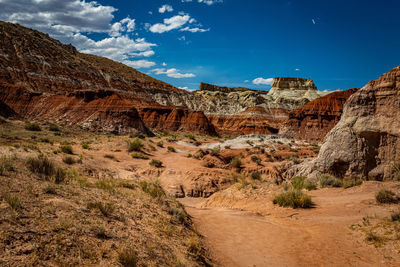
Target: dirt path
(318, 237)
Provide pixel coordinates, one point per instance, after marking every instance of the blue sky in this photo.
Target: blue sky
(339, 44)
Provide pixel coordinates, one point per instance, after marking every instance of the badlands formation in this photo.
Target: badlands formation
(102, 165)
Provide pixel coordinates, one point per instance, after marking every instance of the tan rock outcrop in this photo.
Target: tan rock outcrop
(366, 141)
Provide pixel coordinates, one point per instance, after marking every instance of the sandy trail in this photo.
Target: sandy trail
(286, 237)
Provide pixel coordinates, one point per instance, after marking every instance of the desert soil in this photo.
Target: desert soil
(286, 237)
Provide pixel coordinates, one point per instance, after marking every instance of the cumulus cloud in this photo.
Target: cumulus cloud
(263, 81)
(195, 29)
(173, 73)
(71, 20)
(170, 24)
(165, 8)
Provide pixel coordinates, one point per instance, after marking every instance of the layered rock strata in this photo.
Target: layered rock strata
(366, 141)
(315, 119)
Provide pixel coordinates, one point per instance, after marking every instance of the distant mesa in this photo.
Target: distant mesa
(285, 83)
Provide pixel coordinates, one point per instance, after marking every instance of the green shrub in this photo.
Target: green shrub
(255, 176)
(236, 162)
(139, 155)
(54, 128)
(330, 180)
(153, 189)
(109, 156)
(395, 217)
(33, 127)
(128, 257)
(135, 145)
(13, 201)
(85, 146)
(347, 183)
(171, 149)
(215, 151)
(310, 185)
(67, 149)
(294, 199)
(152, 148)
(68, 160)
(156, 163)
(298, 182)
(256, 159)
(160, 144)
(386, 197)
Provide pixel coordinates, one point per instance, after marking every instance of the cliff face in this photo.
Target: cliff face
(42, 78)
(315, 119)
(282, 83)
(253, 120)
(366, 141)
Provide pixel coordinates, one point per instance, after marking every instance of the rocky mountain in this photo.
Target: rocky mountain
(314, 120)
(41, 77)
(366, 141)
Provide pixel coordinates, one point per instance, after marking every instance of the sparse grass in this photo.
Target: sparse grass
(67, 149)
(139, 155)
(128, 257)
(171, 149)
(396, 170)
(6, 165)
(85, 146)
(50, 189)
(105, 184)
(236, 162)
(106, 209)
(127, 185)
(330, 180)
(13, 201)
(69, 160)
(41, 165)
(179, 214)
(294, 198)
(156, 163)
(374, 238)
(208, 164)
(135, 145)
(193, 244)
(255, 176)
(386, 197)
(59, 176)
(54, 128)
(33, 127)
(152, 148)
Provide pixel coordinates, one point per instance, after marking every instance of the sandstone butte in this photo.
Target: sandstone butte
(42, 78)
(316, 118)
(366, 141)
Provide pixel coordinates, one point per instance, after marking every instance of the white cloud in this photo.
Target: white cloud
(139, 63)
(313, 21)
(165, 8)
(173, 73)
(164, 64)
(246, 81)
(186, 88)
(297, 69)
(182, 38)
(71, 20)
(195, 29)
(207, 2)
(263, 81)
(169, 24)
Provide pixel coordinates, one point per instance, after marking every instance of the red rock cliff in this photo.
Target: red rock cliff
(315, 119)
